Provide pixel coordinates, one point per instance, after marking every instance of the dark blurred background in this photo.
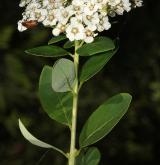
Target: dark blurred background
(134, 69)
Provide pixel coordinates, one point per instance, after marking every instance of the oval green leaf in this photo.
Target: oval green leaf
(102, 121)
(63, 75)
(91, 156)
(28, 136)
(100, 45)
(47, 51)
(57, 39)
(57, 105)
(94, 64)
(68, 44)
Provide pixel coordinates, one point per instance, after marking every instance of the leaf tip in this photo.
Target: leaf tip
(19, 122)
(27, 51)
(21, 126)
(127, 95)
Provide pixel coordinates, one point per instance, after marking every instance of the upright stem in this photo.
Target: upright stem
(72, 154)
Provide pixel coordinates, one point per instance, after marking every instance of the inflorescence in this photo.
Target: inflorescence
(78, 19)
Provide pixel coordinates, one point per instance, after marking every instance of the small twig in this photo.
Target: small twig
(42, 157)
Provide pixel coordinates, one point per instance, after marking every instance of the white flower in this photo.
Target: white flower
(33, 6)
(119, 10)
(48, 3)
(101, 2)
(75, 31)
(104, 24)
(89, 34)
(60, 28)
(78, 6)
(39, 15)
(63, 14)
(91, 20)
(114, 2)
(138, 3)
(23, 3)
(77, 3)
(91, 7)
(21, 28)
(50, 20)
(126, 5)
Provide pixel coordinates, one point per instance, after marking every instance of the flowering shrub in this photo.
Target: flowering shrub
(59, 86)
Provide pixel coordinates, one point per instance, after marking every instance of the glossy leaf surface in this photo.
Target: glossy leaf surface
(56, 39)
(102, 121)
(94, 64)
(47, 51)
(68, 44)
(100, 45)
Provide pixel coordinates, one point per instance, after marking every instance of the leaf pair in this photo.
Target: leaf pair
(63, 74)
(100, 45)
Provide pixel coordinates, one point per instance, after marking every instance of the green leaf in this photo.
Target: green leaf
(56, 39)
(47, 51)
(68, 44)
(102, 121)
(91, 156)
(28, 136)
(94, 64)
(57, 105)
(100, 45)
(63, 75)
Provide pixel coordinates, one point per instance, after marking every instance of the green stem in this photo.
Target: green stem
(60, 151)
(72, 154)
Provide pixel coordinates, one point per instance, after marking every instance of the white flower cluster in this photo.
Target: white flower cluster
(78, 19)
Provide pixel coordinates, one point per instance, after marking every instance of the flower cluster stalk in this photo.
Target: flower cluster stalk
(72, 154)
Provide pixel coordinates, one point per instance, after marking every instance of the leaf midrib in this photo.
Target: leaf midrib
(98, 129)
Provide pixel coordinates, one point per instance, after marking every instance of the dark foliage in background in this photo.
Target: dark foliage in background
(134, 69)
